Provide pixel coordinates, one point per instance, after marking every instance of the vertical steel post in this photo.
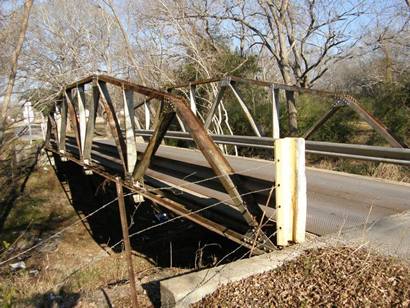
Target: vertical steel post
(63, 124)
(82, 115)
(57, 117)
(92, 107)
(147, 116)
(192, 99)
(113, 122)
(73, 119)
(131, 146)
(127, 244)
(275, 113)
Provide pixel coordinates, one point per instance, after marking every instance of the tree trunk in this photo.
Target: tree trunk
(12, 76)
(292, 113)
(388, 64)
(290, 103)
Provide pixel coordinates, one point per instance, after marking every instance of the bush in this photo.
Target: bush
(391, 104)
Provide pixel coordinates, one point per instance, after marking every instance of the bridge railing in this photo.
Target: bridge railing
(80, 111)
(232, 83)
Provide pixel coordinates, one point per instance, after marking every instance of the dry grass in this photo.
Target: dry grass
(378, 170)
(392, 172)
(70, 269)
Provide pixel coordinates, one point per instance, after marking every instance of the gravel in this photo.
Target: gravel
(329, 277)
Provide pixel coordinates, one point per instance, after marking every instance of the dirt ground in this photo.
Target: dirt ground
(325, 277)
(71, 269)
(77, 267)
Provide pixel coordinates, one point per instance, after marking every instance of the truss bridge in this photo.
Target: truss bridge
(166, 147)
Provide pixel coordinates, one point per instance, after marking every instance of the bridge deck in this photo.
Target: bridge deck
(335, 199)
(181, 180)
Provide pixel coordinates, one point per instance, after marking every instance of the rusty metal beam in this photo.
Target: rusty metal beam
(72, 115)
(375, 123)
(92, 107)
(232, 184)
(275, 112)
(113, 123)
(63, 125)
(221, 90)
(165, 116)
(309, 132)
(52, 127)
(82, 119)
(181, 124)
(126, 239)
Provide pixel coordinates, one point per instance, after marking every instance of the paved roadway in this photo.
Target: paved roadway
(335, 200)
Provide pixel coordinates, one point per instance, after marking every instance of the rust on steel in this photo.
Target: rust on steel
(63, 127)
(52, 127)
(113, 123)
(92, 107)
(349, 100)
(374, 122)
(175, 207)
(240, 196)
(309, 132)
(165, 116)
(72, 115)
(126, 239)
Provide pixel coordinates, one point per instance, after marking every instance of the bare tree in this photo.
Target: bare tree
(13, 70)
(193, 43)
(303, 37)
(129, 50)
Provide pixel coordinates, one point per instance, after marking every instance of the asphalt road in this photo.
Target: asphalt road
(335, 200)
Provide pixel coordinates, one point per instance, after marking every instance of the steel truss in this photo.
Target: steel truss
(74, 108)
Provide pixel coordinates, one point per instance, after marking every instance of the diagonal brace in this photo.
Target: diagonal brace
(165, 115)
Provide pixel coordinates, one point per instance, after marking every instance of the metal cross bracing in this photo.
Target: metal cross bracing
(80, 112)
(231, 83)
(213, 195)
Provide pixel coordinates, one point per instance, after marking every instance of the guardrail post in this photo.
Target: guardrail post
(290, 193)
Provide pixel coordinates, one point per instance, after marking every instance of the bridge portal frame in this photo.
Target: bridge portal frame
(133, 170)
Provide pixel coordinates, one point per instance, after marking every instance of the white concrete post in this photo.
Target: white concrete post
(290, 193)
(299, 219)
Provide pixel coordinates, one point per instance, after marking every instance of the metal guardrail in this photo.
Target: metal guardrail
(352, 151)
(132, 166)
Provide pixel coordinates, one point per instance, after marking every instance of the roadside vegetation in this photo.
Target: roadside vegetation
(69, 269)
